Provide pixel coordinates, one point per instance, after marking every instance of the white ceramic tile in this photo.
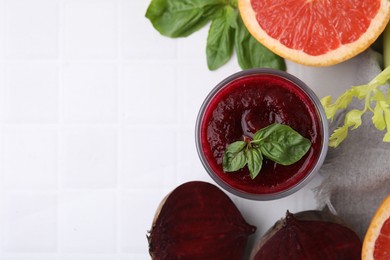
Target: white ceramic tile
(2, 29)
(88, 222)
(149, 92)
(89, 157)
(90, 29)
(149, 158)
(135, 227)
(32, 29)
(30, 157)
(30, 257)
(2, 219)
(30, 222)
(193, 47)
(31, 94)
(189, 165)
(144, 256)
(2, 92)
(87, 257)
(140, 39)
(90, 92)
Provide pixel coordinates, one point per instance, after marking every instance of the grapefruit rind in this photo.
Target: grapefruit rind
(342, 53)
(374, 229)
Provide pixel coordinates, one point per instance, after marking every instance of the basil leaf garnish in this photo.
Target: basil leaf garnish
(282, 144)
(234, 157)
(220, 40)
(255, 161)
(251, 53)
(279, 143)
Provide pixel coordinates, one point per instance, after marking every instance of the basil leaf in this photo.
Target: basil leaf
(234, 157)
(234, 3)
(175, 18)
(251, 53)
(255, 161)
(282, 144)
(220, 40)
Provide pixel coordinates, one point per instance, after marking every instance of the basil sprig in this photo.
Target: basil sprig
(180, 18)
(277, 142)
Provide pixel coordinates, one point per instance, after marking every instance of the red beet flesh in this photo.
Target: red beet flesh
(198, 221)
(309, 235)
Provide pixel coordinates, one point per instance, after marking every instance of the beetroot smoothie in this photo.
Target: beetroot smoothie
(247, 102)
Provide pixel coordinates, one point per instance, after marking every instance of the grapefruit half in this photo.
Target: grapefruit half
(376, 244)
(315, 32)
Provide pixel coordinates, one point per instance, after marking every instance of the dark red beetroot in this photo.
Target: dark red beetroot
(198, 221)
(308, 235)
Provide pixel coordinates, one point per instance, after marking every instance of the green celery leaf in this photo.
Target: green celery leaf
(386, 138)
(252, 54)
(381, 78)
(344, 100)
(353, 118)
(220, 40)
(371, 94)
(379, 96)
(378, 119)
(360, 91)
(386, 111)
(338, 136)
(234, 157)
(255, 161)
(282, 144)
(175, 18)
(330, 110)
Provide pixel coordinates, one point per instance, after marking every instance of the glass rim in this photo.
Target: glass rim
(323, 125)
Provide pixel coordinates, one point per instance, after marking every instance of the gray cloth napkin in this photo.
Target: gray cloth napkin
(356, 175)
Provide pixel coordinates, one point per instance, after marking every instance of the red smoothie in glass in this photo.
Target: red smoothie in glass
(243, 106)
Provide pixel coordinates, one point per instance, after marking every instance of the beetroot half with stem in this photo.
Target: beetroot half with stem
(197, 220)
(308, 235)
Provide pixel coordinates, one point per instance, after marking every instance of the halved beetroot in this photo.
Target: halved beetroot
(197, 220)
(308, 235)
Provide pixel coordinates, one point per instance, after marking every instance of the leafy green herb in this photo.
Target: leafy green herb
(234, 156)
(181, 18)
(175, 18)
(277, 142)
(375, 101)
(246, 46)
(220, 40)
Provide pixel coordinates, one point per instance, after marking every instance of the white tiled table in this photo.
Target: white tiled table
(97, 114)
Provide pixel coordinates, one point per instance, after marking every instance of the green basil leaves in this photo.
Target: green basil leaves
(252, 54)
(277, 142)
(180, 18)
(220, 40)
(175, 18)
